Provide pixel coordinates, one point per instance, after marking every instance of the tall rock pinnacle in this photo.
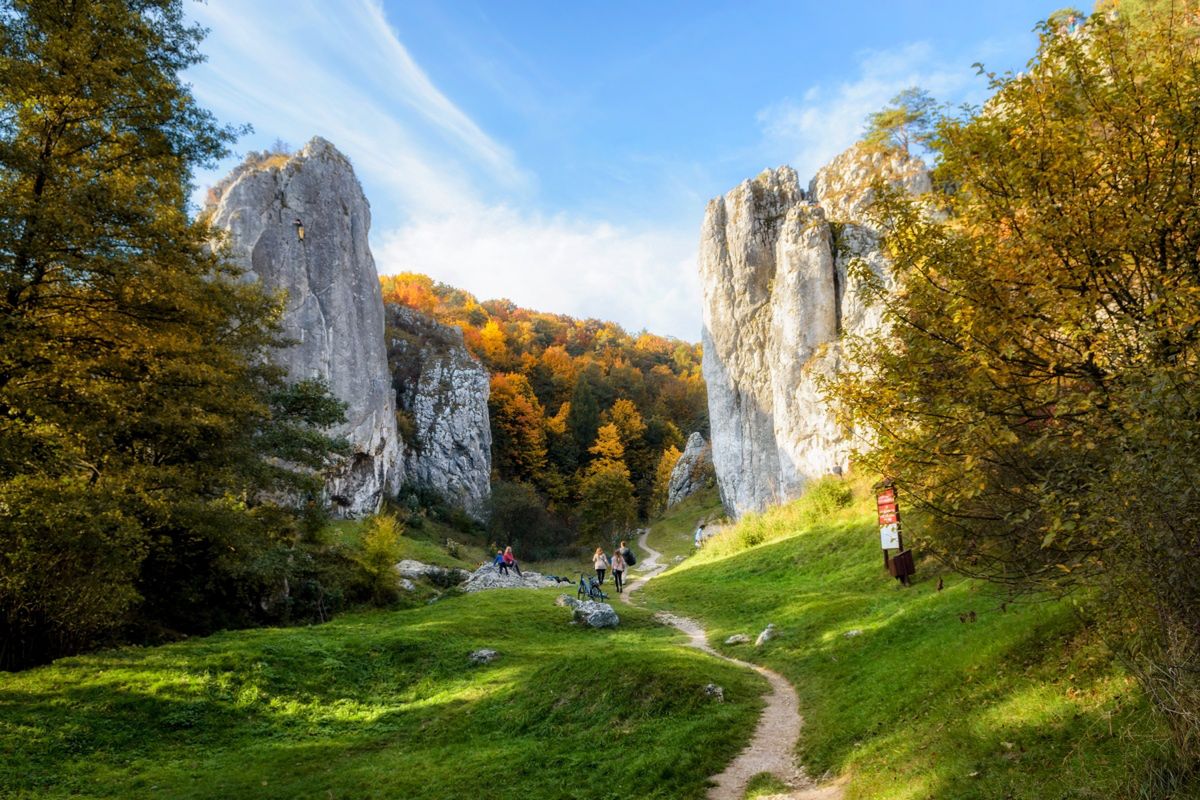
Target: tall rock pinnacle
(299, 223)
(777, 299)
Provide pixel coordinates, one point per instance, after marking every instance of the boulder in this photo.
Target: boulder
(442, 402)
(693, 471)
(489, 577)
(767, 635)
(715, 691)
(738, 638)
(596, 615)
(483, 656)
(298, 224)
(778, 297)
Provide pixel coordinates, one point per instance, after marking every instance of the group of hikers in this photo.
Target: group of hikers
(622, 559)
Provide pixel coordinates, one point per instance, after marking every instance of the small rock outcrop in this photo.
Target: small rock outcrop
(442, 576)
(738, 638)
(715, 691)
(489, 577)
(778, 296)
(442, 405)
(596, 615)
(299, 224)
(693, 471)
(767, 635)
(484, 655)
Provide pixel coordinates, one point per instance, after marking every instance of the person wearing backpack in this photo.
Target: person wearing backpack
(627, 554)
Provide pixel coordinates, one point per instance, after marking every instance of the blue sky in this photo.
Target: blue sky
(561, 154)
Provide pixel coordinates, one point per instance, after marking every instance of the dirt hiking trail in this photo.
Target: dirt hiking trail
(772, 747)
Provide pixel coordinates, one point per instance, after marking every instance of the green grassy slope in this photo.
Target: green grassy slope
(898, 692)
(383, 705)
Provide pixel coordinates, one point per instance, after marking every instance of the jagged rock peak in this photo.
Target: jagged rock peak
(777, 298)
(299, 223)
(442, 404)
(693, 471)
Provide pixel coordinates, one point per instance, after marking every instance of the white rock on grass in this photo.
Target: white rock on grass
(738, 638)
(407, 585)
(415, 570)
(483, 656)
(489, 577)
(713, 690)
(596, 615)
(767, 635)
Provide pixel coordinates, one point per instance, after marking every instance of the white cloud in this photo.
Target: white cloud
(294, 70)
(808, 132)
(640, 279)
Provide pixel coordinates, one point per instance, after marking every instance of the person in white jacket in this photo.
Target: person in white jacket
(600, 562)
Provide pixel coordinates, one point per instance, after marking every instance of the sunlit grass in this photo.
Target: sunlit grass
(383, 704)
(900, 691)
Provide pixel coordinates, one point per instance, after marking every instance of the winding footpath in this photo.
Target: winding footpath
(773, 745)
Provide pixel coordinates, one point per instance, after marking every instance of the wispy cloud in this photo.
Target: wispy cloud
(298, 68)
(586, 268)
(809, 131)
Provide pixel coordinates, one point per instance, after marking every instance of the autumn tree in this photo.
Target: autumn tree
(607, 504)
(662, 478)
(1037, 398)
(138, 418)
(518, 429)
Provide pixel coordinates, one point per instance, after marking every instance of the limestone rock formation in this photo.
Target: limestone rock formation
(774, 263)
(596, 615)
(299, 224)
(442, 403)
(693, 471)
(489, 577)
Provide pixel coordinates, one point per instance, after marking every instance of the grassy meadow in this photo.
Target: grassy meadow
(383, 705)
(912, 692)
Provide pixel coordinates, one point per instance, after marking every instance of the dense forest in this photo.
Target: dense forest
(587, 419)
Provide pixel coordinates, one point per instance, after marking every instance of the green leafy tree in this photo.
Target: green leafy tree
(1037, 395)
(909, 119)
(135, 404)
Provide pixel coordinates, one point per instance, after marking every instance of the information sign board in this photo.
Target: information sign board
(889, 536)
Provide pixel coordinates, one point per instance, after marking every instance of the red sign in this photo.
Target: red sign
(885, 507)
(886, 496)
(887, 517)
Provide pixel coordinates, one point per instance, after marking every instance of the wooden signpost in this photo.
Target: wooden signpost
(900, 566)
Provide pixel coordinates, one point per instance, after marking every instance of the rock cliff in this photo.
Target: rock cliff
(441, 399)
(777, 298)
(299, 224)
(693, 471)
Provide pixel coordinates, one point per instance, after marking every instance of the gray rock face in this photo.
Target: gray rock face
(774, 264)
(442, 399)
(693, 471)
(767, 635)
(596, 615)
(489, 577)
(415, 570)
(334, 309)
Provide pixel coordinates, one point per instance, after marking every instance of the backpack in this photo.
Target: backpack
(630, 558)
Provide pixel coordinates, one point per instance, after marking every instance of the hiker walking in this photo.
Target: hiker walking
(627, 554)
(510, 561)
(618, 568)
(600, 562)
